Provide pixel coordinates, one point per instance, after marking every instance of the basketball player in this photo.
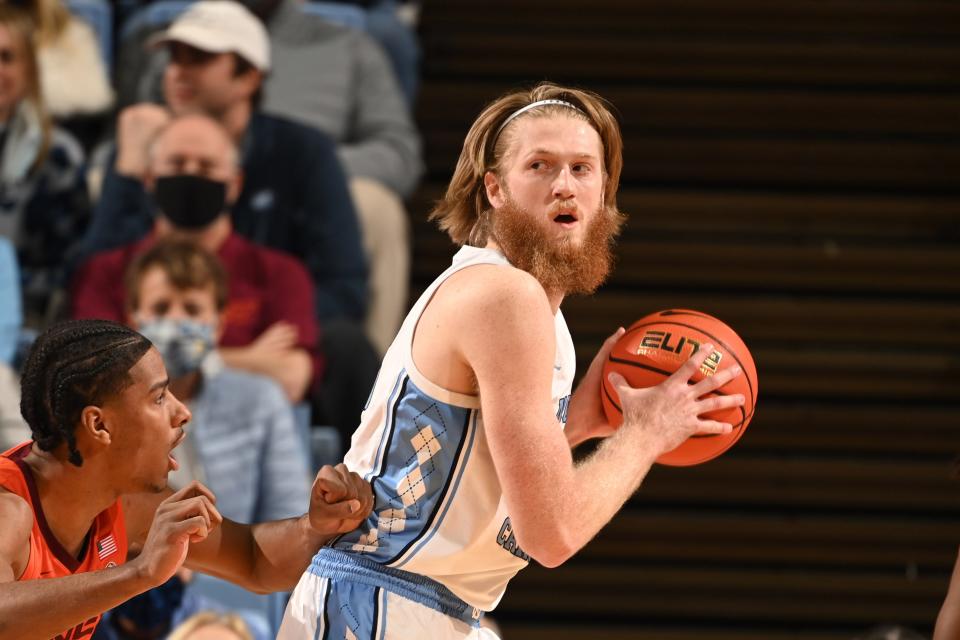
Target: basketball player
(463, 439)
(91, 489)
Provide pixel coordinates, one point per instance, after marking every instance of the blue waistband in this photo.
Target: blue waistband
(339, 565)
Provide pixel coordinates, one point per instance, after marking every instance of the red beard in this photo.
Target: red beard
(562, 266)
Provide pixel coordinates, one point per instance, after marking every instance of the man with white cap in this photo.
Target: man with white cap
(295, 195)
(337, 79)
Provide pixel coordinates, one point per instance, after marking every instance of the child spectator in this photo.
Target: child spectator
(269, 325)
(242, 443)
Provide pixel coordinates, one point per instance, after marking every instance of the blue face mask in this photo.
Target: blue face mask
(182, 343)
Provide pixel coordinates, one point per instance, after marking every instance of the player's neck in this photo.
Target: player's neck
(554, 297)
(71, 497)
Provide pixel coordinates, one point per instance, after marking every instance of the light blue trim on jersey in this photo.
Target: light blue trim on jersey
(449, 499)
(339, 568)
(348, 605)
(423, 446)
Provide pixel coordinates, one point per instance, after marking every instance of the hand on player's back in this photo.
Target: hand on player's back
(189, 515)
(670, 411)
(339, 500)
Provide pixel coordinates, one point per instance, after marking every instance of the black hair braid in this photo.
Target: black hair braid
(56, 404)
(73, 365)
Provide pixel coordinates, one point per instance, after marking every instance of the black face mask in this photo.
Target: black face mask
(188, 201)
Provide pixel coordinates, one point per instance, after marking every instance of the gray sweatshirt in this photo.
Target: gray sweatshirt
(340, 81)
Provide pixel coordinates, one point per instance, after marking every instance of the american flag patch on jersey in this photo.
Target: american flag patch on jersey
(106, 547)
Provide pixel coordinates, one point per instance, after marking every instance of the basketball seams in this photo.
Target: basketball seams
(667, 374)
(743, 415)
(610, 397)
(737, 429)
(717, 341)
(629, 351)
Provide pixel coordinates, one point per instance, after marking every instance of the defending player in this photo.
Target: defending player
(90, 491)
(463, 440)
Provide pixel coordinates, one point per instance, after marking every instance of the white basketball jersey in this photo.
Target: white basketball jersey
(439, 509)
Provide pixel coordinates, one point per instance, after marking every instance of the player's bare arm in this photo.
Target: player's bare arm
(948, 620)
(263, 557)
(508, 343)
(44, 608)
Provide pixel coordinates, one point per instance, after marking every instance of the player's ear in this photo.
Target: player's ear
(491, 183)
(93, 425)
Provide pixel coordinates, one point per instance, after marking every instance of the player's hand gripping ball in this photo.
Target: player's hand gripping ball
(655, 346)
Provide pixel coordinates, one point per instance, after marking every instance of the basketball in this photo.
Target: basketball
(655, 346)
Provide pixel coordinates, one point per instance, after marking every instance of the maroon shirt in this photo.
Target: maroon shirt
(265, 286)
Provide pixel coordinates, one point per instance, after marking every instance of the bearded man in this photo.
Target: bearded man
(467, 436)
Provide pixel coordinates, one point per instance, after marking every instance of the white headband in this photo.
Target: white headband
(532, 105)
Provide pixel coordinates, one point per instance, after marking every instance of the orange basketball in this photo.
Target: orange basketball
(655, 346)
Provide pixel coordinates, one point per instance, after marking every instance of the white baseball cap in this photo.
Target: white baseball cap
(221, 26)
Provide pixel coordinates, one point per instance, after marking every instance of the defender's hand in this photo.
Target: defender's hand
(339, 500)
(189, 515)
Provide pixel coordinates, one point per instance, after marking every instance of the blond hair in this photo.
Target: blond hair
(21, 27)
(231, 621)
(462, 210)
(50, 18)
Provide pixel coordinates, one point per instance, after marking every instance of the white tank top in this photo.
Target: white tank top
(439, 509)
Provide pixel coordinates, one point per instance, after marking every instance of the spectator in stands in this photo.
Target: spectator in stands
(354, 97)
(269, 324)
(338, 80)
(11, 314)
(294, 197)
(74, 76)
(43, 198)
(13, 429)
(211, 626)
(151, 615)
(242, 443)
(391, 24)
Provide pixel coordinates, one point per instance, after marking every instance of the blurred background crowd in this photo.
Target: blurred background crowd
(246, 183)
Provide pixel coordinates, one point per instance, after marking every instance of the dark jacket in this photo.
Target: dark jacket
(294, 199)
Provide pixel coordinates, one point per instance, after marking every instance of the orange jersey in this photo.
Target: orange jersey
(106, 544)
